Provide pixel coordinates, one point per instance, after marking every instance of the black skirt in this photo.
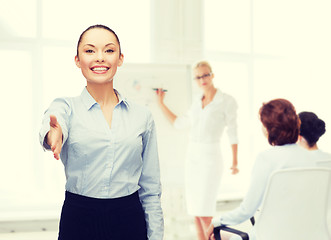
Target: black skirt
(86, 218)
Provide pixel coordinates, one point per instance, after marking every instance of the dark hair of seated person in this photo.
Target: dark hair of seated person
(282, 123)
(312, 128)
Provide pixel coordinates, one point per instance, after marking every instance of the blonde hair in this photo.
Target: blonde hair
(202, 64)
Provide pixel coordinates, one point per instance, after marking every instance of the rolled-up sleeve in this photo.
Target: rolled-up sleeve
(61, 109)
(150, 185)
(231, 120)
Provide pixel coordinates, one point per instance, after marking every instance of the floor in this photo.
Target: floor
(178, 225)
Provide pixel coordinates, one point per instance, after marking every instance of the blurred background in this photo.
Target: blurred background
(259, 50)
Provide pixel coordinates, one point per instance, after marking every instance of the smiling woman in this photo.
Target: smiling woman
(37, 64)
(111, 183)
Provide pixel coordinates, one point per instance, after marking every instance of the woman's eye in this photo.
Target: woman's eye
(89, 51)
(109, 50)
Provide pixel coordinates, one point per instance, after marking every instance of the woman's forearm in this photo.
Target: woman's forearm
(168, 113)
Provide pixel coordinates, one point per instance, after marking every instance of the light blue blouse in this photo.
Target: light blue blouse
(104, 162)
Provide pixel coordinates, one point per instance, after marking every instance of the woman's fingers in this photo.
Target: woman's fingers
(57, 156)
(55, 137)
(234, 169)
(160, 95)
(56, 149)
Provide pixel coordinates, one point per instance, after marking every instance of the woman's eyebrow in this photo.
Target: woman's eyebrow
(88, 44)
(109, 44)
(91, 45)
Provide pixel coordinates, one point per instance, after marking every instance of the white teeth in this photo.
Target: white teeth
(99, 69)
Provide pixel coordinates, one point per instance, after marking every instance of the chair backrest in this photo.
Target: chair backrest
(296, 205)
(325, 163)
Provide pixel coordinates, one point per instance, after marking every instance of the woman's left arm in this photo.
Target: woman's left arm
(234, 167)
(231, 122)
(150, 185)
(253, 198)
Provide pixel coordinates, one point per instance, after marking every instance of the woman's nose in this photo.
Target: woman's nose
(100, 57)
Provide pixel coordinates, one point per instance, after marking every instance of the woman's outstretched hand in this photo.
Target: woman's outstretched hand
(54, 137)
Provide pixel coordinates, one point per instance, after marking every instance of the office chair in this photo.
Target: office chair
(324, 163)
(296, 205)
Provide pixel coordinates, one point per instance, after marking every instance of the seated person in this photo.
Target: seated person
(281, 126)
(311, 129)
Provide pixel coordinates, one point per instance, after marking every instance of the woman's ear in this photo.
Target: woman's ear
(265, 131)
(121, 60)
(77, 61)
(301, 140)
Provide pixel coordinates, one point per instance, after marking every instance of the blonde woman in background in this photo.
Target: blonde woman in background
(209, 115)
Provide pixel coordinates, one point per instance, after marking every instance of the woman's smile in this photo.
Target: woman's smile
(99, 69)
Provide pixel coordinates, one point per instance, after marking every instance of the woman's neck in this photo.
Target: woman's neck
(209, 94)
(303, 142)
(104, 94)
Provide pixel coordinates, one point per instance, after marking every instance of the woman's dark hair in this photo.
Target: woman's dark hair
(279, 117)
(98, 26)
(312, 128)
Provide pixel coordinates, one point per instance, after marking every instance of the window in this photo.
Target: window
(24, 26)
(227, 26)
(16, 122)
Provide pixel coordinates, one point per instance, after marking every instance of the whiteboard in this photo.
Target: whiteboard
(136, 82)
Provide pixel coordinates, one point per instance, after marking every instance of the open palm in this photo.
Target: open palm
(54, 137)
